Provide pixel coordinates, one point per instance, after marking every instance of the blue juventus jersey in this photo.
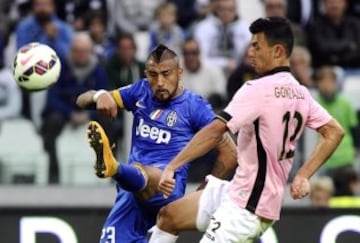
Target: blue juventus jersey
(161, 130)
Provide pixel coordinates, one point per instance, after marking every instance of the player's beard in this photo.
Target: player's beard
(164, 95)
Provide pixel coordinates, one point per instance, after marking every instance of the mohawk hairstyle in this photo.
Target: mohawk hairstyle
(161, 53)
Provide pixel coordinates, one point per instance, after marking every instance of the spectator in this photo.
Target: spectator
(45, 27)
(301, 68)
(132, 15)
(334, 37)
(208, 81)
(122, 67)
(303, 11)
(165, 30)
(300, 64)
(74, 12)
(346, 189)
(279, 8)
(17, 10)
(201, 77)
(191, 11)
(96, 25)
(42, 25)
(322, 189)
(223, 36)
(243, 72)
(346, 182)
(10, 95)
(79, 73)
(339, 107)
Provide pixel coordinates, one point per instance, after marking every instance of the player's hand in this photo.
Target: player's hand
(300, 187)
(51, 30)
(107, 105)
(167, 182)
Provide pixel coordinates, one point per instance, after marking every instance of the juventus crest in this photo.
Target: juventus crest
(171, 118)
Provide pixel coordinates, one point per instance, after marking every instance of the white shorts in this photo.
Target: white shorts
(225, 221)
(210, 199)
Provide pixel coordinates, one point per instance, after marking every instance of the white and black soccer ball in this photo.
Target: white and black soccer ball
(36, 67)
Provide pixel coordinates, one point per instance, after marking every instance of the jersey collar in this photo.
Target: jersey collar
(277, 70)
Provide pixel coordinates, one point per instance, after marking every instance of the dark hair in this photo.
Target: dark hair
(277, 30)
(124, 35)
(323, 71)
(161, 53)
(343, 179)
(95, 15)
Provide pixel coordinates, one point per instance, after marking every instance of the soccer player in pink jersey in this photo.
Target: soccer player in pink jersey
(269, 115)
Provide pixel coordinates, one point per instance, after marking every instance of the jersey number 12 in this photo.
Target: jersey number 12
(286, 120)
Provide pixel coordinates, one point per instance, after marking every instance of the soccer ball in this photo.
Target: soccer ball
(36, 67)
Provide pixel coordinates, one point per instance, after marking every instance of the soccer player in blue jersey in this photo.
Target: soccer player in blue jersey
(166, 116)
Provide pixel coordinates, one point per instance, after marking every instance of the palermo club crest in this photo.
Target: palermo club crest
(171, 118)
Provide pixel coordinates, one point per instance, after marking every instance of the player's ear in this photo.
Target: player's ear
(180, 71)
(278, 51)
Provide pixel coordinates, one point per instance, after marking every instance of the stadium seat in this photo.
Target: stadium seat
(22, 153)
(142, 44)
(76, 158)
(351, 90)
(37, 103)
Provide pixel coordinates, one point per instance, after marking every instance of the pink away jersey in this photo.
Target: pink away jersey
(269, 115)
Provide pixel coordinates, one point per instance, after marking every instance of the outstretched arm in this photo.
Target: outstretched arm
(86, 100)
(206, 139)
(102, 100)
(226, 159)
(331, 135)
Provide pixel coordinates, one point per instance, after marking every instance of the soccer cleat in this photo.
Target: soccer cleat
(106, 164)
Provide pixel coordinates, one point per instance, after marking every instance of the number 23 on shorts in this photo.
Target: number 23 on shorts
(108, 234)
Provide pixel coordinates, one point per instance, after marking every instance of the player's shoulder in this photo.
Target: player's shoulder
(139, 88)
(254, 84)
(192, 97)
(140, 84)
(191, 103)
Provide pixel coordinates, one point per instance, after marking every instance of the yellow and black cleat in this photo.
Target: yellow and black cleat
(106, 164)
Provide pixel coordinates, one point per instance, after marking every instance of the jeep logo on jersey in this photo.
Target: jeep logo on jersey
(154, 133)
(171, 118)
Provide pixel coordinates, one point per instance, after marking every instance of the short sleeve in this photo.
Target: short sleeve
(202, 114)
(245, 107)
(317, 115)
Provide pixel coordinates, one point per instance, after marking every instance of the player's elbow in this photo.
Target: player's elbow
(338, 131)
(332, 131)
(216, 131)
(85, 99)
(79, 102)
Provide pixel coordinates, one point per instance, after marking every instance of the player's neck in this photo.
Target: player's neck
(179, 91)
(279, 63)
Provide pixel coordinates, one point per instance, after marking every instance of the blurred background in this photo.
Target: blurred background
(46, 165)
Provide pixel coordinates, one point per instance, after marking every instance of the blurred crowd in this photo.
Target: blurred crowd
(96, 42)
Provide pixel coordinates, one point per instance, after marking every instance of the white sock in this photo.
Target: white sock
(160, 236)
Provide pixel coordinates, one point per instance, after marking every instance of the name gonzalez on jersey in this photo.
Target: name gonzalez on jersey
(154, 133)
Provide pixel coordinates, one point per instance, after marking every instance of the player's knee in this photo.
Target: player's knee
(167, 219)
